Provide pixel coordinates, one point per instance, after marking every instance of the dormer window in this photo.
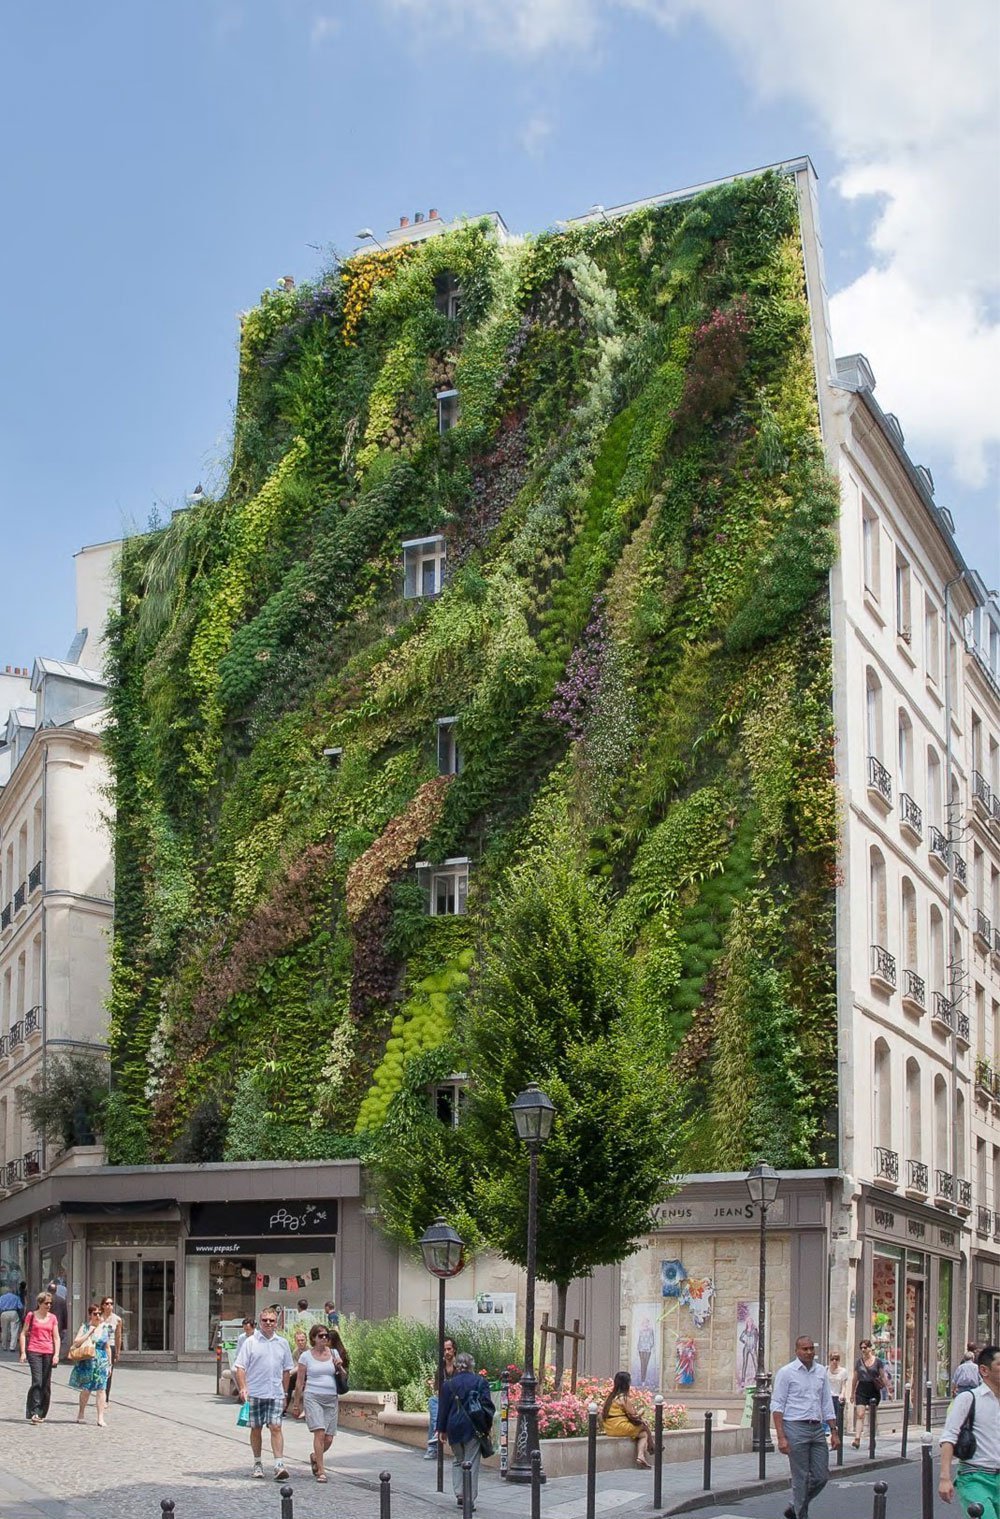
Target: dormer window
(447, 402)
(449, 754)
(446, 886)
(423, 566)
(447, 294)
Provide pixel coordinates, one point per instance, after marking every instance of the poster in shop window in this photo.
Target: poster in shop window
(644, 1361)
(747, 1346)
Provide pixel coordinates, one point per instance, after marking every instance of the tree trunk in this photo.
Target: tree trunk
(562, 1291)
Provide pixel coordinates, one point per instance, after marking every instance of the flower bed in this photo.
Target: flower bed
(563, 1415)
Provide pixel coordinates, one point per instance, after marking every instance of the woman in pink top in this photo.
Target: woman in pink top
(39, 1342)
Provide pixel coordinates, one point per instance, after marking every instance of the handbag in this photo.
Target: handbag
(486, 1446)
(965, 1444)
(340, 1379)
(81, 1352)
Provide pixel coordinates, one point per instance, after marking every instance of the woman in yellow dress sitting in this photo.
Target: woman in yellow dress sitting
(621, 1418)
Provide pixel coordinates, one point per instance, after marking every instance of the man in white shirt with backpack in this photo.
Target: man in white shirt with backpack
(978, 1408)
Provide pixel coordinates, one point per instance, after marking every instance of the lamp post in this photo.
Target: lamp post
(762, 1184)
(533, 1114)
(444, 1257)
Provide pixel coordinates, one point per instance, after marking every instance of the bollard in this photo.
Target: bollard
(975, 1511)
(840, 1431)
(466, 1490)
(286, 1502)
(763, 1411)
(591, 1460)
(906, 1419)
(927, 1420)
(878, 1506)
(706, 1469)
(872, 1412)
(166, 1507)
(218, 1360)
(658, 1451)
(926, 1477)
(385, 1495)
(536, 1484)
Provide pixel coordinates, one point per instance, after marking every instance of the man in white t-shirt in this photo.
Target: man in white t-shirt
(262, 1370)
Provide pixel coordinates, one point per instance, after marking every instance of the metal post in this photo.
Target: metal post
(761, 1423)
(166, 1507)
(466, 1490)
(658, 1451)
(763, 1419)
(926, 1476)
(536, 1484)
(872, 1414)
(591, 1461)
(706, 1475)
(906, 1419)
(286, 1502)
(440, 1386)
(976, 1511)
(927, 1421)
(218, 1359)
(385, 1495)
(878, 1506)
(840, 1431)
(521, 1468)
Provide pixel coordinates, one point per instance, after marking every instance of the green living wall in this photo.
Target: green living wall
(632, 638)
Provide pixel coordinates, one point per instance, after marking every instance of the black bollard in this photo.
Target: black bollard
(706, 1465)
(166, 1507)
(466, 1490)
(975, 1511)
(536, 1484)
(592, 1461)
(764, 1411)
(927, 1419)
(218, 1360)
(286, 1502)
(926, 1478)
(840, 1432)
(385, 1495)
(658, 1452)
(906, 1419)
(878, 1506)
(872, 1411)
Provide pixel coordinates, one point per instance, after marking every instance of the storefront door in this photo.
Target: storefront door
(913, 1338)
(143, 1291)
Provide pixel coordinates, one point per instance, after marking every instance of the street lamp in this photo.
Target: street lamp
(533, 1114)
(762, 1184)
(366, 235)
(444, 1257)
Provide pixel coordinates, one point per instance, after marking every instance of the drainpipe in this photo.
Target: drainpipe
(43, 989)
(949, 948)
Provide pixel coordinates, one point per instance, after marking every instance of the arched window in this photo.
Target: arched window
(959, 1135)
(941, 1125)
(914, 1126)
(937, 950)
(873, 713)
(882, 1095)
(934, 787)
(904, 744)
(909, 911)
(877, 898)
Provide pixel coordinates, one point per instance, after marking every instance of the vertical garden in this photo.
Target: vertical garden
(329, 901)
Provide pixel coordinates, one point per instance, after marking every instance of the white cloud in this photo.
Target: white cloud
(511, 26)
(322, 29)
(535, 134)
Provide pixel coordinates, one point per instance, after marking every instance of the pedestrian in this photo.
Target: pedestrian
(316, 1392)
(978, 1477)
(298, 1349)
(459, 1397)
(801, 1405)
(966, 1373)
(91, 1364)
(11, 1309)
(113, 1323)
(263, 1368)
(59, 1308)
(431, 1453)
(40, 1345)
(837, 1376)
(332, 1316)
(869, 1378)
(622, 1420)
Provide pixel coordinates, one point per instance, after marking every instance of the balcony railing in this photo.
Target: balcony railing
(914, 989)
(984, 1080)
(32, 1163)
(963, 1028)
(879, 779)
(910, 815)
(917, 1177)
(996, 941)
(984, 1220)
(4, 1046)
(963, 1194)
(883, 965)
(938, 845)
(34, 877)
(944, 1010)
(982, 927)
(944, 1186)
(6, 914)
(16, 1035)
(13, 1172)
(981, 792)
(20, 896)
(958, 865)
(995, 809)
(32, 1021)
(886, 1164)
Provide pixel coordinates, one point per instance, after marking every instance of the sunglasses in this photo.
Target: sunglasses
(321, 1336)
(269, 1321)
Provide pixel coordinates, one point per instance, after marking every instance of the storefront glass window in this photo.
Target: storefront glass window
(984, 1318)
(13, 1261)
(886, 1321)
(942, 1373)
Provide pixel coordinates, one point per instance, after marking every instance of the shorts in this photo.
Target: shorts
(867, 1392)
(321, 1412)
(265, 1412)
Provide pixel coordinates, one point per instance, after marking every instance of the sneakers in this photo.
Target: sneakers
(258, 1470)
(280, 1472)
(431, 1453)
(790, 1512)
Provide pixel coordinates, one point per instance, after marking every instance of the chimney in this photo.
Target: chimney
(433, 214)
(404, 221)
(418, 216)
(8, 671)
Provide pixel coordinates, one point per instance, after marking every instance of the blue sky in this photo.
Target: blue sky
(174, 159)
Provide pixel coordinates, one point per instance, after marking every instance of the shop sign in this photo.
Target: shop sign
(262, 1245)
(895, 1224)
(263, 1220)
(703, 1213)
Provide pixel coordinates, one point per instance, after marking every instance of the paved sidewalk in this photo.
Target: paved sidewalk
(168, 1436)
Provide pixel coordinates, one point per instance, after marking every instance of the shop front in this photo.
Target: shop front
(135, 1264)
(986, 1299)
(911, 1291)
(13, 1260)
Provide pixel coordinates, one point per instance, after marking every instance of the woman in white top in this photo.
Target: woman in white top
(113, 1323)
(316, 1387)
(837, 1376)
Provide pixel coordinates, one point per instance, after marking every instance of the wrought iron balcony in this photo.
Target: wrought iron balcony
(944, 1011)
(34, 878)
(995, 809)
(984, 1078)
(910, 815)
(6, 914)
(984, 1220)
(981, 793)
(32, 1163)
(13, 1172)
(939, 847)
(879, 780)
(958, 865)
(963, 1194)
(20, 896)
(982, 928)
(886, 1165)
(32, 1021)
(944, 1186)
(917, 1177)
(16, 1035)
(914, 989)
(996, 941)
(883, 965)
(4, 1046)
(963, 1028)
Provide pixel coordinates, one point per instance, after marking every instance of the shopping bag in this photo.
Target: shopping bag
(243, 1417)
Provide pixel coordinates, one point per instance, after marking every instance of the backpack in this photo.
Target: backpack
(479, 1417)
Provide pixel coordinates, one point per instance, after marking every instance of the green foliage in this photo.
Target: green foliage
(70, 1108)
(396, 1354)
